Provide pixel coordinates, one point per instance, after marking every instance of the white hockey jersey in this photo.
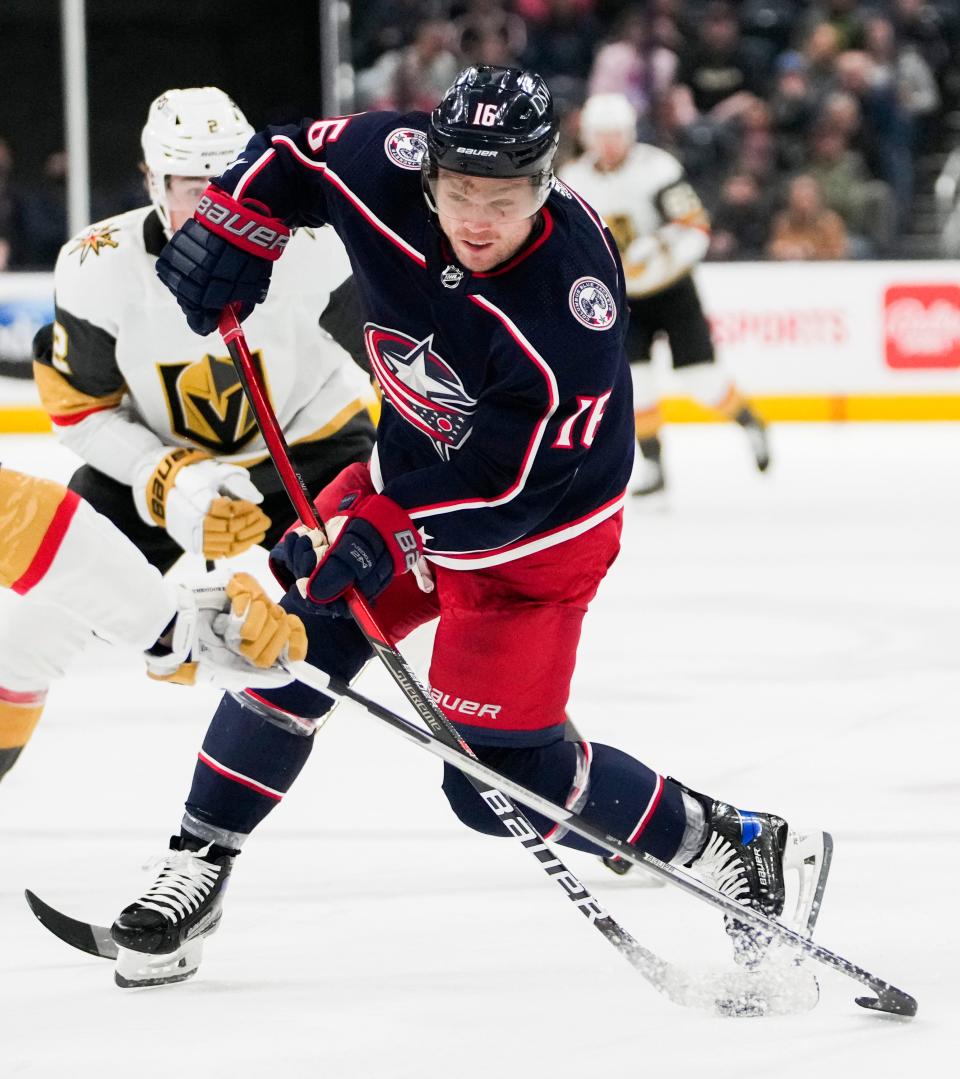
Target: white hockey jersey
(126, 374)
(655, 216)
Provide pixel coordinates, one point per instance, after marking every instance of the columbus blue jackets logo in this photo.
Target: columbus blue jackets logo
(421, 386)
(405, 147)
(592, 303)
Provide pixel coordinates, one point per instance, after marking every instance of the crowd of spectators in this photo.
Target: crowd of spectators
(800, 122)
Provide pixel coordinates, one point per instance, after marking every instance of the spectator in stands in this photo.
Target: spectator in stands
(720, 64)
(820, 50)
(756, 142)
(769, 22)
(380, 26)
(884, 123)
(792, 111)
(9, 207)
(805, 229)
(414, 77)
(564, 42)
(904, 67)
(864, 204)
(672, 24)
(633, 64)
(926, 28)
(540, 11)
(741, 220)
(486, 29)
(44, 215)
(843, 16)
(676, 125)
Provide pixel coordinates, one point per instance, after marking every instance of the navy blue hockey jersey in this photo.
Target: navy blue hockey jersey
(507, 421)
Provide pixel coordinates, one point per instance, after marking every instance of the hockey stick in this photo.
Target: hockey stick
(401, 672)
(889, 997)
(489, 784)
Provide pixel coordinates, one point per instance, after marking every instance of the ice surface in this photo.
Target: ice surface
(787, 641)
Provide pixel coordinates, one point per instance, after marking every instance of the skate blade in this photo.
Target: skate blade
(139, 970)
(806, 866)
(807, 858)
(639, 879)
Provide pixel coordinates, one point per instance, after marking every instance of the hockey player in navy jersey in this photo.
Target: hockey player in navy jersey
(495, 319)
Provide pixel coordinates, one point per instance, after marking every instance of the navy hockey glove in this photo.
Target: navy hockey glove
(364, 546)
(222, 255)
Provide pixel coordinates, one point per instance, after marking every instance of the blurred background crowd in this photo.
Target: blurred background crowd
(810, 128)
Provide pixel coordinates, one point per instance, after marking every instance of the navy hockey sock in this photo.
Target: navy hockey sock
(245, 767)
(608, 788)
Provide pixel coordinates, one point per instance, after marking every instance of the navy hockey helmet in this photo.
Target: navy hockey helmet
(494, 122)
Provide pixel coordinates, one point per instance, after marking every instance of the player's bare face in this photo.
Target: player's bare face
(486, 219)
(183, 193)
(610, 149)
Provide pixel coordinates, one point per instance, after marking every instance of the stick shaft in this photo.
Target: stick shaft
(513, 820)
(894, 999)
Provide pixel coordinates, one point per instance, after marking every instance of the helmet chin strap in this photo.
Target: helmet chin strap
(157, 186)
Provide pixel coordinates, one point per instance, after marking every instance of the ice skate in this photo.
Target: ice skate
(160, 935)
(747, 857)
(756, 432)
(648, 478)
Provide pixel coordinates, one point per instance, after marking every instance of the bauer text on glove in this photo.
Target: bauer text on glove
(208, 507)
(371, 540)
(223, 255)
(232, 637)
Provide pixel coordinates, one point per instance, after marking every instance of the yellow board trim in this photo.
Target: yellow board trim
(880, 408)
(25, 420)
(789, 408)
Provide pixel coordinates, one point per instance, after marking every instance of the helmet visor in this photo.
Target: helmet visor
(486, 199)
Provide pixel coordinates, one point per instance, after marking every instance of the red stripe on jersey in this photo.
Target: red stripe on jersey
(648, 812)
(288, 144)
(371, 218)
(15, 696)
(251, 172)
(68, 419)
(49, 545)
(237, 777)
(535, 439)
(601, 513)
(596, 219)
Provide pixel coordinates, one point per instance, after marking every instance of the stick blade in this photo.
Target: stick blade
(92, 939)
(892, 1001)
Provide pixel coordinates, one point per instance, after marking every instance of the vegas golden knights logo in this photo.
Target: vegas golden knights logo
(206, 403)
(622, 230)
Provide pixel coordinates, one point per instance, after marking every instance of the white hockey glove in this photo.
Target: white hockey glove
(208, 507)
(232, 637)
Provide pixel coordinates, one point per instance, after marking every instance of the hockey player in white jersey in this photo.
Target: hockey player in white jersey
(76, 572)
(172, 455)
(662, 231)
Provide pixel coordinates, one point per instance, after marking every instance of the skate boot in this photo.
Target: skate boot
(648, 468)
(160, 935)
(743, 859)
(756, 432)
(748, 856)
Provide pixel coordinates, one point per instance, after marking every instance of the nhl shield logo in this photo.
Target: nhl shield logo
(451, 276)
(405, 146)
(421, 386)
(592, 303)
